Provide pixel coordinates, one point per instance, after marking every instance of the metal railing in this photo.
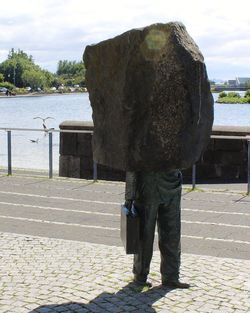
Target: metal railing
(50, 132)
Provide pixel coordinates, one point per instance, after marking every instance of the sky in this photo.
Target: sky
(53, 30)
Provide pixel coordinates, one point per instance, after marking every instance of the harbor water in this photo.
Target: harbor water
(30, 149)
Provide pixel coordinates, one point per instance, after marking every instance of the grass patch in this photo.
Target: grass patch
(233, 100)
(194, 189)
(153, 274)
(233, 97)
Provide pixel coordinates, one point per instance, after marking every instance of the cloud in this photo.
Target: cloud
(51, 29)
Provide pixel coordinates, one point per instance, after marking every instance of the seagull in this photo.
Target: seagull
(43, 119)
(34, 141)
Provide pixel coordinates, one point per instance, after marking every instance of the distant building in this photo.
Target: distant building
(232, 83)
(242, 81)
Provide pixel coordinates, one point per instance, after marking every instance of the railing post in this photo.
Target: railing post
(50, 154)
(248, 167)
(9, 152)
(94, 171)
(193, 176)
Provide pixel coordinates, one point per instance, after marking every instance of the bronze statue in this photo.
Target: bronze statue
(153, 114)
(157, 197)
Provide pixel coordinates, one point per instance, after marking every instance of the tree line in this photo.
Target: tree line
(20, 71)
(233, 97)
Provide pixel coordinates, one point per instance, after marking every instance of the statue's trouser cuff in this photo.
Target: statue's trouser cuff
(167, 216)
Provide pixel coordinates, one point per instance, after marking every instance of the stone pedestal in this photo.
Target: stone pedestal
(76, 156)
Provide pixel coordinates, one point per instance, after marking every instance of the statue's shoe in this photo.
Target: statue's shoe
(175, 284)
(142, 281)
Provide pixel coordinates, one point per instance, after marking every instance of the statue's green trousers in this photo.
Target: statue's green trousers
(158, 198)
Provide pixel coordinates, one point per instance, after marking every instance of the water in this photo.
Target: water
(231, 114)
(20, 112)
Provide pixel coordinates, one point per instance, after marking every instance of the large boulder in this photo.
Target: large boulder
(151, 99)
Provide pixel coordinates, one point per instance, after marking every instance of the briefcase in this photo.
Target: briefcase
(130, 228)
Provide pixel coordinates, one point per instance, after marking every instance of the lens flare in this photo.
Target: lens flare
(155, 40)
(154, 44)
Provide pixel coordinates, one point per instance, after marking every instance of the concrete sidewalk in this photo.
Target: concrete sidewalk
(221, 187)
(54, 275)
(214, 185)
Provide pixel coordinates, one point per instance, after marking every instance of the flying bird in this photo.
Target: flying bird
(43, 119)
(34, 141)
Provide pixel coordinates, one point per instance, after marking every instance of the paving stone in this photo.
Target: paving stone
(55, 275)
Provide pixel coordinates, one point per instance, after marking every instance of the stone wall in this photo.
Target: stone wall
(224, 159)
(76, 157)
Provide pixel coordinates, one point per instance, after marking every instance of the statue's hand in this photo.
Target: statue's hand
(128, 204)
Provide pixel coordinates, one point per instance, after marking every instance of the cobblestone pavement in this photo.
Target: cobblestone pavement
(56, 275)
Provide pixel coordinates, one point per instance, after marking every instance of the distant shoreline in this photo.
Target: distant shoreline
(38, 94)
